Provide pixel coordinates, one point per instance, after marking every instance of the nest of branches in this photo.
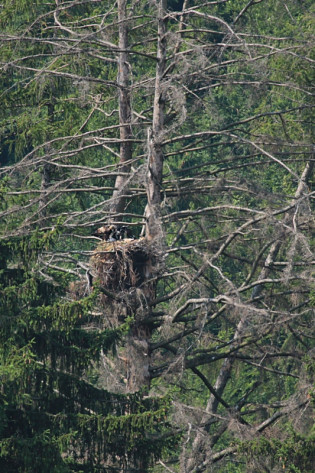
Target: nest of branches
(122, 265)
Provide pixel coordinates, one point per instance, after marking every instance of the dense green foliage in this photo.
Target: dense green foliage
(224, 327)
(50, 399)
(294, 455)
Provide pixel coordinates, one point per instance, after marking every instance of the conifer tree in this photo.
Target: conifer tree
(55, 415)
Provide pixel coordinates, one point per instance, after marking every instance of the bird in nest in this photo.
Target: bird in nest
(113, 232)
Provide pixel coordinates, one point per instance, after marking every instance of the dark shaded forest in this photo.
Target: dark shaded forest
(157, 236)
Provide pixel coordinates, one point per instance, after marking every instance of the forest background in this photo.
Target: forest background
(189, 348)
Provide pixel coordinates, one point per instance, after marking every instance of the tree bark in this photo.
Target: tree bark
(121, 185)
(155, 135)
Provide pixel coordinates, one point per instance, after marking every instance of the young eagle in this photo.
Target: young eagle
(113, 232)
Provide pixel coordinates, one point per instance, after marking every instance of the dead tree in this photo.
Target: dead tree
(125, 271)
(125, 131)
(155, 135)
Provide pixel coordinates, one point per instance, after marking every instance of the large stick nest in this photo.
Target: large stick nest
(121, 265)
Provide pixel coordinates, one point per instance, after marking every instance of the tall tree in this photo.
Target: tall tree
(194, 118)
(125, 118)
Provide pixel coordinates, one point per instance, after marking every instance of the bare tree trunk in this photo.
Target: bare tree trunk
(155, 135)
(121, 184)
(138, 347)
(138, 344)
(138, 356)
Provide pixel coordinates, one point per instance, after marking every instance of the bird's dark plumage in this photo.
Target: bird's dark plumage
(113, 232)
